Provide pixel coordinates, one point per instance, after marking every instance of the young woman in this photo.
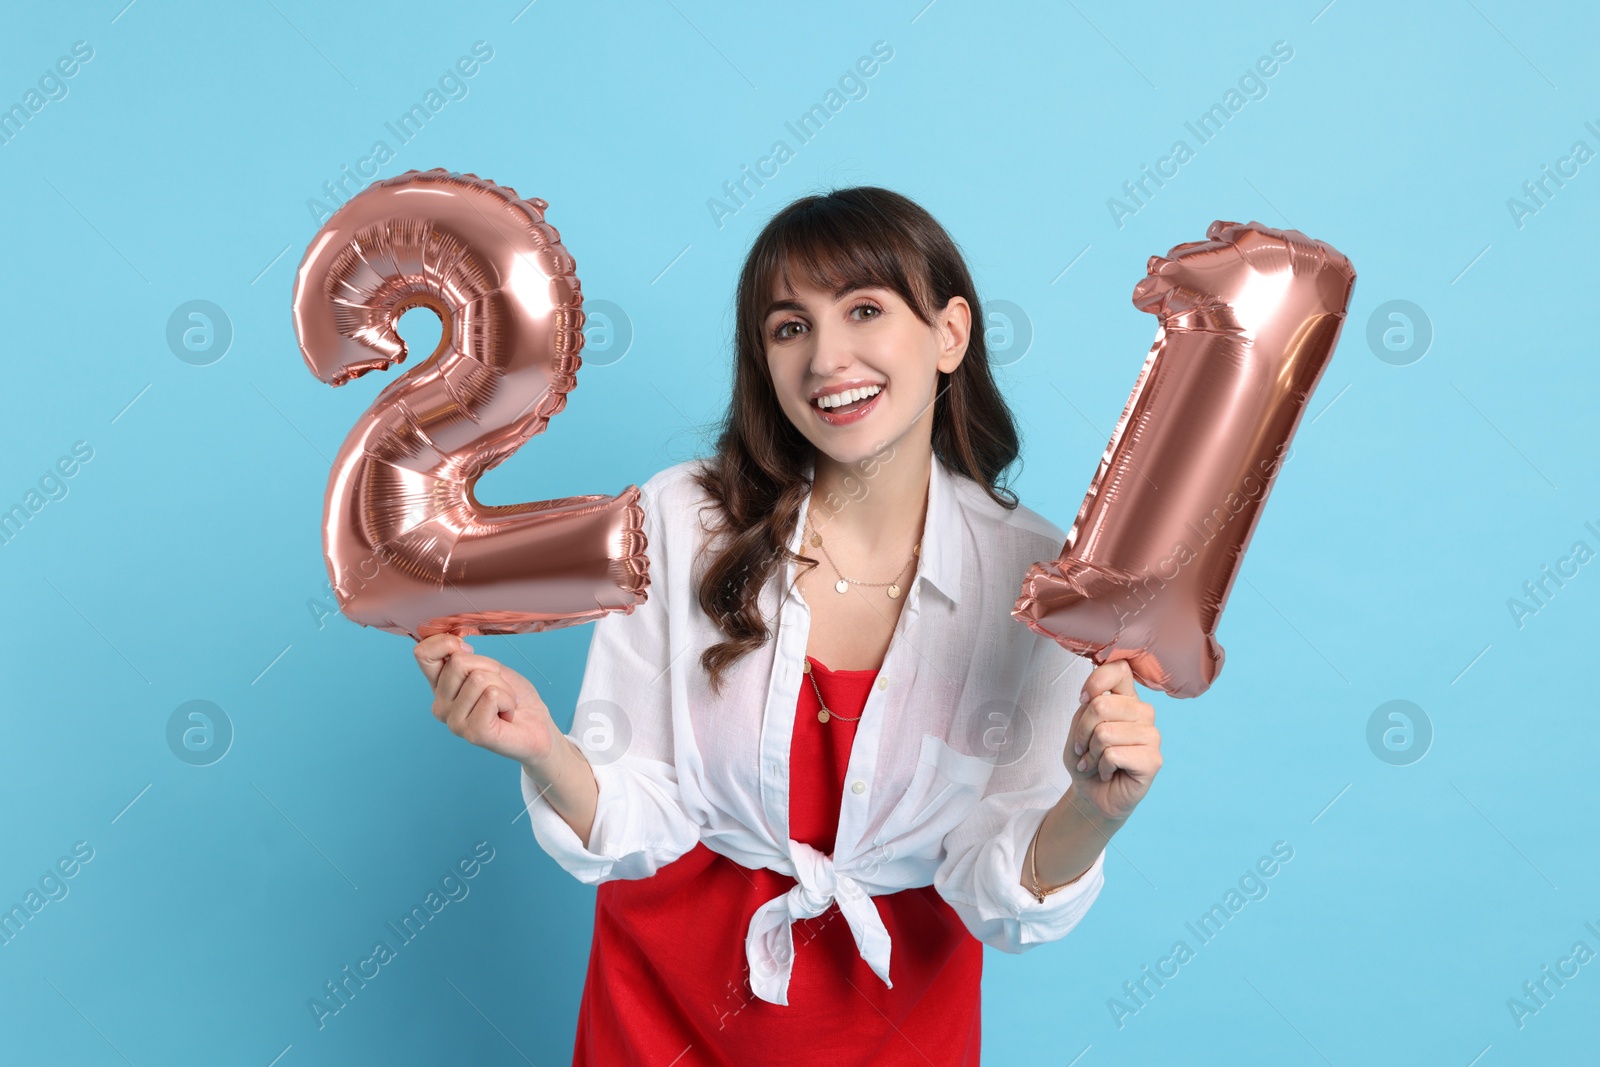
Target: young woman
(823, 742)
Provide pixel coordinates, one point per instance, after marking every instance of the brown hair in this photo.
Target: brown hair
(864, 236)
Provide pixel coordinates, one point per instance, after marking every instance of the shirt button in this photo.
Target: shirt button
(883, 683)
(856, 787)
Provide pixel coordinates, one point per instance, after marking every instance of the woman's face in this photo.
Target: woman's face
(822, 347)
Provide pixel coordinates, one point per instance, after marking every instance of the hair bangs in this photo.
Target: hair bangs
(835, 248)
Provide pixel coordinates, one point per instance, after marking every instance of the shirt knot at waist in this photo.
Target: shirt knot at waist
(769, 944)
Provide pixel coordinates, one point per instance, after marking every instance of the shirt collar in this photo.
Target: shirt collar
(939, 561)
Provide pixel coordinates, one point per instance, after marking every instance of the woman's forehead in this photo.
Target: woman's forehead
(808, 275)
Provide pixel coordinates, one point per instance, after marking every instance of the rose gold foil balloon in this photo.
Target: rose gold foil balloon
(1248, 321)
(408, 547)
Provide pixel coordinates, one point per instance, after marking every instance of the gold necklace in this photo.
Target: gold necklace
(843, 584)
(824, 715)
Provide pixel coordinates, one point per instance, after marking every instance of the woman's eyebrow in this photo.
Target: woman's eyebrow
(782, 305)
(838, 294)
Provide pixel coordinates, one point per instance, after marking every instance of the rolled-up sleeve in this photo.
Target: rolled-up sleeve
(623, 725)
(984, 856)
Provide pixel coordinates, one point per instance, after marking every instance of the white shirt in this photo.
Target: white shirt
(938, 789)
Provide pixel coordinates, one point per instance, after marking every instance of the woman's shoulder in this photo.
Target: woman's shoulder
(684, 507)
(677, 484)
(1030, 523)
(1021, 528)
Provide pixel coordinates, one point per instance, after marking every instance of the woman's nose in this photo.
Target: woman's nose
(829, 352)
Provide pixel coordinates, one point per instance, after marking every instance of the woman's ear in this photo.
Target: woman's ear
(955, 328)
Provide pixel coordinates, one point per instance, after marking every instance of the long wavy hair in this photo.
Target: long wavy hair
(864, 236)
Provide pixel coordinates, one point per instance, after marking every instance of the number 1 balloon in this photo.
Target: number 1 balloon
(1248, 321)
(408, 547)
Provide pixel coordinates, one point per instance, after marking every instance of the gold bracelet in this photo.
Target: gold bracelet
(1033, 868)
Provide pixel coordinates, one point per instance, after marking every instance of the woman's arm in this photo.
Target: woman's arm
(496, 708)
(1070, 840)
(984, 873)
(566, 779)
(1115, 752)
(605, 802)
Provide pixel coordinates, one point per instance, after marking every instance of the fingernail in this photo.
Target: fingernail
(1082, 763)
(1077, 747)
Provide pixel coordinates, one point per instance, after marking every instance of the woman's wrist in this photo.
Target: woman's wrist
(1066, 844)
(559, 754)
(566, 780)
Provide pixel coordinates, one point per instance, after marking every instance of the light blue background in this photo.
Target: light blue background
(184, 561)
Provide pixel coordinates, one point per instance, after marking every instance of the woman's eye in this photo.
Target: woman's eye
(778, 333)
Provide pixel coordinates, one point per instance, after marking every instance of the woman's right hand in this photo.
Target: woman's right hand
(485, 701)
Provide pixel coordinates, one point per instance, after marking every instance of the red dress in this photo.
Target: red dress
(668, 982)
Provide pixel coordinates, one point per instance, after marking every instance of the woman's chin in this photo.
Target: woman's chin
(856, 455)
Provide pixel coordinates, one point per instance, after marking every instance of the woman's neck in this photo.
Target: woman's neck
(871, 511)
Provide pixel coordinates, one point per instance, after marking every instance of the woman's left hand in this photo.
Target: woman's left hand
(1113, 748)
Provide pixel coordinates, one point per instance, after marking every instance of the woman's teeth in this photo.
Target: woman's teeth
(839, 400)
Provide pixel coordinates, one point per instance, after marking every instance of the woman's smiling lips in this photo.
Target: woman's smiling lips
(844, 418)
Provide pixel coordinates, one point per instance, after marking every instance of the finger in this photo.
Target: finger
(1105, 733)
(1114, 677)
(505, 705)
(1113, 732)
(438, 647)
(1140, 762)
(1107, 707)
(472, 689)
(1122, 733)
(432, 652)
(1087, 717)
(486, 707)
(448, 685)
(456, 669)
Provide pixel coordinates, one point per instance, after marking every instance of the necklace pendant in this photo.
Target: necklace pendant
(842, 586)
(822, 716)
(894, 591)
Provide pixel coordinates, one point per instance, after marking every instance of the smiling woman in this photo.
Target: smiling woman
(821, 765)
(888, 753)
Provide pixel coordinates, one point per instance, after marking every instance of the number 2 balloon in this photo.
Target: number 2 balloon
(408, 547)
(1248, 321)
